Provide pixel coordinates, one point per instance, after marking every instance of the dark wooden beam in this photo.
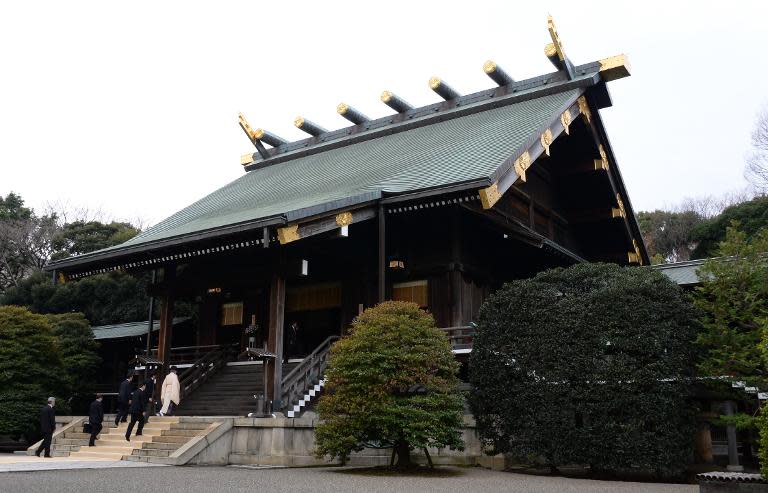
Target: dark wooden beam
(293, 232)
(166, 321)
(606, 157)
(275, 339)
(456, 278)
(382, 255)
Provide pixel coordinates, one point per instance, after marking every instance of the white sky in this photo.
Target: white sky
(131, 107)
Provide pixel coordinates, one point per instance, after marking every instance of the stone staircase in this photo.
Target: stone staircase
(170, 440)
(229, 392)
(111, 442)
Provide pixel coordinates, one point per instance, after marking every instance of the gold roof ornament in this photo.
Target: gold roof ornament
(490, 195)
(522, 164)
(344, 219)
(556, 43)
(546, 140)
(246, 159)
(246, 127)
(565, 119)
(602, 163)
(584, 108)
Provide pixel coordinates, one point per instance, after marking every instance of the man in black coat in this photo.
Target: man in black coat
(149, 392)
(123, 400)
(47, 427)
(138, 403)
(95, 418)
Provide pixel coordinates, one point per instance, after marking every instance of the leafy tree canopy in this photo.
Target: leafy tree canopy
(751, 215)
(79, 357)
(81, 237)
(590, 364)
(392, 349)
(30, 369)
(12, 208)
(109, 298)
(733, 298)
(668, 235)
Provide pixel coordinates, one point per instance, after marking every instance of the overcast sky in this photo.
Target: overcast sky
(131, 107)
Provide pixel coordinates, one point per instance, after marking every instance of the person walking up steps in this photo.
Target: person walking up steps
(47, 427)
(151, 382)
(123, 399)
(170, 393)
(95, 418)
(138, 403)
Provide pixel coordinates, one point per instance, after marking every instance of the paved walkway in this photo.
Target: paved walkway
(26, 463)
(310, 480)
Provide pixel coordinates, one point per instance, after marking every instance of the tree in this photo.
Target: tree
(30, 369)
(756, 171)
(79, 357)
(25, 240)
(81, 237)
(668, 234)
(733, 298)
(114, 297)
(752, 216)
(590, 364)
(391, 382)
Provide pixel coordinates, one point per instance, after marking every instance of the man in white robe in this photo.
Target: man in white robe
(170, 393)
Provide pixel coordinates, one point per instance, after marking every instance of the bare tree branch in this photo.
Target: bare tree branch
(756, 170)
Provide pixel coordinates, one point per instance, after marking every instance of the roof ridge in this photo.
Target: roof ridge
(544, 85)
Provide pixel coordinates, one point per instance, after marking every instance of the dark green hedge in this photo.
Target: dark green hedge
(587, 365)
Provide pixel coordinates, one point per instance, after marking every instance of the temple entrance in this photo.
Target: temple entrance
(312, 314)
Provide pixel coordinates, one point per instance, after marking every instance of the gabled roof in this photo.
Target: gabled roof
(464, 143)
(468, 149)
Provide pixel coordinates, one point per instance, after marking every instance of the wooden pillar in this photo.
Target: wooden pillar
(275, 341)
(730, 432)
(454, 275)
(166, 323)
(382, 266)
(166, 334)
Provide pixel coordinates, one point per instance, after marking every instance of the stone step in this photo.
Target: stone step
(121, 433)
(171, 439)
(71, 441)
(60, 453)
(152, 452)
(182, 433)
(152, 425)
(191, 426)
(77, 435)
(101, 455)
(120, 440)
(124, 449)
(162, 445)
(67, 448)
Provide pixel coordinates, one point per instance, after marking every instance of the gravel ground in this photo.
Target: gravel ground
(311, 480)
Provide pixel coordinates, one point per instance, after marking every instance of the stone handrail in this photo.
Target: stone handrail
(306, 374)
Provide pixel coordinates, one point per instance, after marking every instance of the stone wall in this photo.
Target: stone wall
(291, 442)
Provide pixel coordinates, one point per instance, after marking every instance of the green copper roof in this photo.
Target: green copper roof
(464, 149)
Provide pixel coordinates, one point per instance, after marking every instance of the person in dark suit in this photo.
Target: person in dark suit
(138, 404)
(124, 399)
(149, 392)
(47, 427)
(95, 418)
